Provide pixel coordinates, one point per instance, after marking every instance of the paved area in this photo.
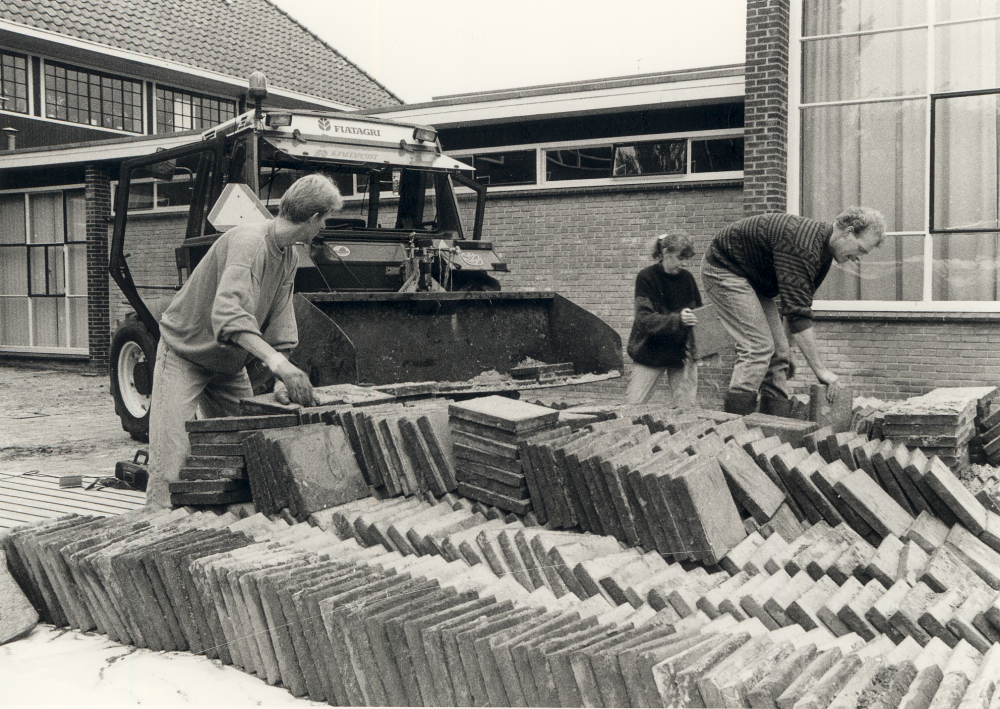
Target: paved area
(59, 422)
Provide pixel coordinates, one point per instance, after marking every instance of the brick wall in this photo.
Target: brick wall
(766, 105)
(895, 356)
(589, 245)
(98, 198)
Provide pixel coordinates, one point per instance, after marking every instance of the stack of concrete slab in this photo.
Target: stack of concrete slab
(420, 600)
(941, 422)
(402, 449)
(486, 434)
(303, 469)
(215, 473)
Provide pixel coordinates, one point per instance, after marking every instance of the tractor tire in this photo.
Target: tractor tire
(133, 354)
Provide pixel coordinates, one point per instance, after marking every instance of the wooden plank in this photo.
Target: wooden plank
(873, 504)
(54, 495)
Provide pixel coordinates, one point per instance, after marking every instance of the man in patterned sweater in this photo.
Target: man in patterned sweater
(762, 272)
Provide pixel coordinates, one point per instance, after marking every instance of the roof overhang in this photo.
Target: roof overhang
(93, 151)
(34, 40)
(687, 88)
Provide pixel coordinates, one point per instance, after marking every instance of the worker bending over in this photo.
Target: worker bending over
(236, 303)
(765, 268)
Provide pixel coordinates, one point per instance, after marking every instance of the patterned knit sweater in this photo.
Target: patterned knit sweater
(782, 256)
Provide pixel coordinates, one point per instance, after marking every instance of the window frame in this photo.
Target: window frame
(157, 87)
(43, 87)
(27, 78)
(795, 163)
(932, 154)
(542, 183)
(65, 244)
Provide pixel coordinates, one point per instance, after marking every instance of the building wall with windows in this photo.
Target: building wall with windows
(582, 177)
(84, 86)
(894, 104)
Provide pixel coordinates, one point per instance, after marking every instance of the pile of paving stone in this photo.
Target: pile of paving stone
(425, 601)
(668, 559)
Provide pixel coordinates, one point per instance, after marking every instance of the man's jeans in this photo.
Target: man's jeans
(180, 387)
(762, 351)
(682, 384)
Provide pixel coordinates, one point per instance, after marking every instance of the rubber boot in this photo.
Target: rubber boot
(776, 406)
(740, 402)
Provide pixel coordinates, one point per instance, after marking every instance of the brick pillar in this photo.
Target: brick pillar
(765, 164)
(98, 297)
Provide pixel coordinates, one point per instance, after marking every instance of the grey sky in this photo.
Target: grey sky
(433, 48)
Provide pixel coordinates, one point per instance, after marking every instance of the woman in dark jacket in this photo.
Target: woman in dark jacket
(662, 339)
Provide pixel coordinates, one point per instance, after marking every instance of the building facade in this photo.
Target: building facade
(895, 105)
(582, 176)
(84, 86)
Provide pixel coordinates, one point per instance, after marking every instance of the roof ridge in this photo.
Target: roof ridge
(335, 50)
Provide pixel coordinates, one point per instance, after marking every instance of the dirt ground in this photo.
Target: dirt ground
(59, 421)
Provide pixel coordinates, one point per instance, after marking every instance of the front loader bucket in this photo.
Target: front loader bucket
(454, 337)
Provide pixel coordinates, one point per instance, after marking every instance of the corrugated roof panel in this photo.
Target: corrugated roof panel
(31, 497)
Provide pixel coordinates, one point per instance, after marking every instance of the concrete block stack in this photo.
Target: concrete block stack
(303, 469)
(486, 435)
(215, 473)
(423, 600)
(401, 449)
(941, 423)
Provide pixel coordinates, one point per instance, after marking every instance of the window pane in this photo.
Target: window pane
(513, 168)
(966, 152)
(720, 155)
(665, 158)
(964, 9)
(869, 66)
(182, 110)
(894, 272)
(14, 322)
(78, 317)
(14, 82)
(140, 196)
(174, 194)
(91, 98)
(967, 57)
(821, 17)
(77, 269)
(47, 322)
(965, 267)
(38, 270)
(868, 154)
(12, 219)
(76, 216)
(46, 218)
(13, 270)
(578, 163)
